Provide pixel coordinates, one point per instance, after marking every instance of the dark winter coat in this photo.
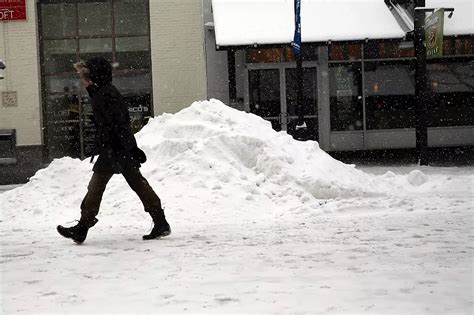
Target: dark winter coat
(114, 139)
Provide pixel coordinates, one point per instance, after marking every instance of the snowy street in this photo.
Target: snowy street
(251, 234)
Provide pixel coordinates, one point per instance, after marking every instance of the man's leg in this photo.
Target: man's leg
(151, 202)
(142, 188)
(95, 190)
(89, 209)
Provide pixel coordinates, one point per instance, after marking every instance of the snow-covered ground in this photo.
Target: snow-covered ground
(261, 224)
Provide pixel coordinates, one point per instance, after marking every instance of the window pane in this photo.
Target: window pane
(63, 125)
(390, 95)
(309, 105)
(95, 47)
(458, 46)
(376, 50)
(59, 55)
(345, 87)
(133, 52)
(139, 108)
(131, 17)
(452, 84)
(264, 55)
(58, 20)
(308, 53)
(310, 91)
(63, 83)
(264, 86)
(344, 52)
(136, 91)
(95, 18)
(133, 83)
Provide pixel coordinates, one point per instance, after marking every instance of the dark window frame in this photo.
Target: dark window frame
(119, 72)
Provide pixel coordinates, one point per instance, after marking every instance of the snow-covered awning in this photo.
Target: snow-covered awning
(249, 22)
(462, 21)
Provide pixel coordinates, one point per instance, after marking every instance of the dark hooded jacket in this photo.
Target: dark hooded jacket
(114, 139)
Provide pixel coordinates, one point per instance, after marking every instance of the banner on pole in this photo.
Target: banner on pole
(434, 32)
(296, 43)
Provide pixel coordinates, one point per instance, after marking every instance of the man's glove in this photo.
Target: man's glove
(138, 155)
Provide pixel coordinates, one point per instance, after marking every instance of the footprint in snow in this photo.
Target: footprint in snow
(226, 300)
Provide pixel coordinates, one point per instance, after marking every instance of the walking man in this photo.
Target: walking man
(118, 153)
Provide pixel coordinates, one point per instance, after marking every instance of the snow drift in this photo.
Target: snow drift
(207, 156)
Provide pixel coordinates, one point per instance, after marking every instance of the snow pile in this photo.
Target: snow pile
(207, 157)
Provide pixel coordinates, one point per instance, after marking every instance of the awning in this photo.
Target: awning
(249, 22)
(462, 21)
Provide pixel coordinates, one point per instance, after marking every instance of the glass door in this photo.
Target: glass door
(310, 104)
(264, 95)
(272, 96)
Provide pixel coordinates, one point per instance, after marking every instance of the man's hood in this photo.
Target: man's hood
(100, 71)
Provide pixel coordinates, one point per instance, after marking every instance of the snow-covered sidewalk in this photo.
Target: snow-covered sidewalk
(279, 228)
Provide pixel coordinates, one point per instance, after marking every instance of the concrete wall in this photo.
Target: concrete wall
(178, 58)
(19, 50)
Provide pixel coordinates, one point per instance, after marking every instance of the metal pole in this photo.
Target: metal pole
(232, 77)
(299, 89)
(421, 89)
(299, 82)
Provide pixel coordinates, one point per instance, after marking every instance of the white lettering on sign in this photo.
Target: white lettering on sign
(138, 109)
(6, 14)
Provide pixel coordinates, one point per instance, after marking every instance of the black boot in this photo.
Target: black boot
(161, 227)
(77, 233)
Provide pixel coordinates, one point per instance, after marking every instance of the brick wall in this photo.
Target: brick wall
(178, 59)
(18, 48)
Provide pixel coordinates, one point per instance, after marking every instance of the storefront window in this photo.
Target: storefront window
(264, 55)
(345, 52)
(452, 86)
(132, 52)
(62, 19)
(265, 92)
(95, 47)
(131, 17)
(453, 46)
(95, 18)
(269, 55)
(73, 30)
(345, 88)
(59, 55)
(389, 95)
(384, 50)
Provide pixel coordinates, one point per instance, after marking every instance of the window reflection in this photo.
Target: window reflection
(452, 86)
(95, 18)
(309, 106)
(132, 52)
(59, 55)
(264, 91)
(61, 20)
(82, 29)
(390, 95)
(345, 88)
(131, 17)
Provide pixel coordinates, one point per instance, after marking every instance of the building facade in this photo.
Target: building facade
(358, 85)
(156, 48)
(358, 71)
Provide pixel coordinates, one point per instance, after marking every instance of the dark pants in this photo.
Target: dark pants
(91, 203)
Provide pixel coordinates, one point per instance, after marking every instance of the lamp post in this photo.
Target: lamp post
(422, 94)
(421, 89)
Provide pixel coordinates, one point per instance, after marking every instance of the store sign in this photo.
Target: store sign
(434, 29)
(12, 10)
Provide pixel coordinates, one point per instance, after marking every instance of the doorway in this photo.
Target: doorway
(271, 94)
